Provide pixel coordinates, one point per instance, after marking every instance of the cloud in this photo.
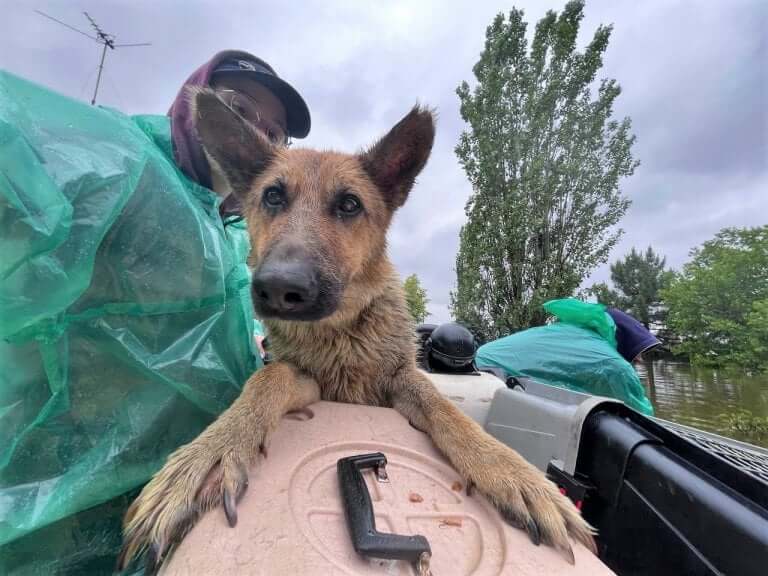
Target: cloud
(693, 75)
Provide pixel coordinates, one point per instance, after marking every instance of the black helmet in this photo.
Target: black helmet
(451, 348)
(423, 331)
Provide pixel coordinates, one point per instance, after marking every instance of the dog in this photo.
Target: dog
(339, 329)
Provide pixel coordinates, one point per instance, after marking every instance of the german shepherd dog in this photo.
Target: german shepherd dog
(340, 331)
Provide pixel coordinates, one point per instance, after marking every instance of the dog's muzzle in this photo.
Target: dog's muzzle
(291, 290)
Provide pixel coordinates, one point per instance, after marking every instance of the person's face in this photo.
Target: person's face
(256, 104)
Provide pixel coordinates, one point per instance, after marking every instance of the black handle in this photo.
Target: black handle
(359, 512)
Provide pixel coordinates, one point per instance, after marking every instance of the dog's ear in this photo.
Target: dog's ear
(234, 144)
(394, 161)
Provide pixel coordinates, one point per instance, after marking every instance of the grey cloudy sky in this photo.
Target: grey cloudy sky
(694, 74)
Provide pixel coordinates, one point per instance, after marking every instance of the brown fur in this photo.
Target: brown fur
(362, 352)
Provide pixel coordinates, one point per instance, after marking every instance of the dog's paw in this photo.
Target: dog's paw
(197, 477)
(528, 500)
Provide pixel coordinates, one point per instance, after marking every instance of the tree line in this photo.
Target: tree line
(546, 159)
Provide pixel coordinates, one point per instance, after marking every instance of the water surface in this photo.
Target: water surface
(698, 396)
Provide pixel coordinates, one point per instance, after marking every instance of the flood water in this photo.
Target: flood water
(698, 396)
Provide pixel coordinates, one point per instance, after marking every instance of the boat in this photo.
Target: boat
(664, 498)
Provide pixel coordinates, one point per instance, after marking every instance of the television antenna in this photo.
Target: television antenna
(101, 37)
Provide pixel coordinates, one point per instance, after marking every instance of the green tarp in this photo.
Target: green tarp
(125, 322)
(578, 352)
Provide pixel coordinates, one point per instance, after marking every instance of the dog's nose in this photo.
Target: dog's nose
(285, 287)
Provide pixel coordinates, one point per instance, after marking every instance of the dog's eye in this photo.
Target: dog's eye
(349, 205)
(273, 198)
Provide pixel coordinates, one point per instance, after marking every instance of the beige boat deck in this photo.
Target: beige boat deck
(291, 519)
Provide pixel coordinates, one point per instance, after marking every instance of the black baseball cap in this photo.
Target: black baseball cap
(297, 112)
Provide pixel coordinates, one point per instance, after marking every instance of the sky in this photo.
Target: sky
(694, 75)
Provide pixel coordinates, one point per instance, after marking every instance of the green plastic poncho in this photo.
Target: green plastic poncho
(578, 352)
(125, 322)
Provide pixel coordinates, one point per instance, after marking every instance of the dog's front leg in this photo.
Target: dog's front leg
(520, 491)
(213, 468)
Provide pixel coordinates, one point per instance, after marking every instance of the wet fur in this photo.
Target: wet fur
(363, 352)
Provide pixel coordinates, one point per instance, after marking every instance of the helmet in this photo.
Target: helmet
(451, 348)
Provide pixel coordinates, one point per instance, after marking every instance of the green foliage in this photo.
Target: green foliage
(602, 293)
(744, 423)
(544, 157)
(719, 303)
(756, 338)
(638, 279)
(416, 296)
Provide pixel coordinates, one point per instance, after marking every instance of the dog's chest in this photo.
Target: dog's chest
(349, 366)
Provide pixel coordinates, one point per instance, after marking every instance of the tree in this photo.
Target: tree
(638, 279)
(416, 296)
(755, 353)
(602, 293)
(719, 302)
(544, 158)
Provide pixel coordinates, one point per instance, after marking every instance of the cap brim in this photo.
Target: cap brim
(296, 110)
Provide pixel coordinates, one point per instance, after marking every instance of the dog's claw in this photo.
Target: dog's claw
(197, 477)
(568, 554)
(122, 559)
(533, 532)
(528, 524)
(532, 503)
(230, 508)
(153, 559)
